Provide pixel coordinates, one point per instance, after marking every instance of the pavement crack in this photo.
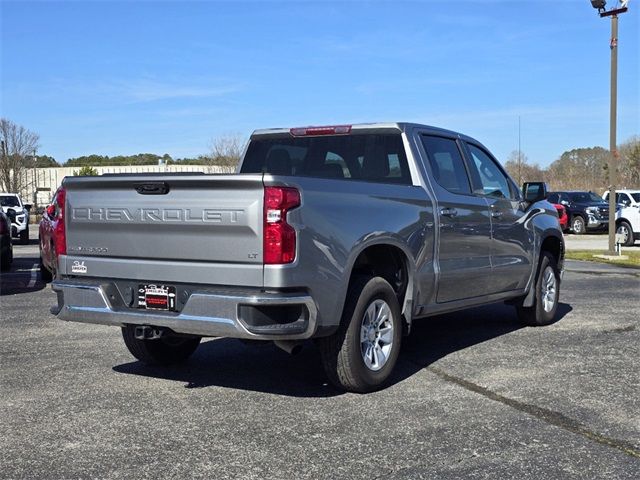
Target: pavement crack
(549, 416)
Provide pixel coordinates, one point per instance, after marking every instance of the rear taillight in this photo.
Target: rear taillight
(279, 236)
(59, 231)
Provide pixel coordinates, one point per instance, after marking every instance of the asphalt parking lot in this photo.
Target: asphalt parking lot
(475, 396)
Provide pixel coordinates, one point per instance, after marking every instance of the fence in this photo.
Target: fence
(41, 183)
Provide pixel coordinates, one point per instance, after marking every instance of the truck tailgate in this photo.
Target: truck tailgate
(194, 228)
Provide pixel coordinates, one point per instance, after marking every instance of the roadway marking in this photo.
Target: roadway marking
(34, 276)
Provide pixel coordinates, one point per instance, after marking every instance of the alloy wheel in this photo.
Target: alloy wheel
(376, 335)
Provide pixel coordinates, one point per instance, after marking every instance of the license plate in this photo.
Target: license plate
(157, 297)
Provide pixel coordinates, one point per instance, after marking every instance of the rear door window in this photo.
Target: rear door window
(367, 157)
(446, 163)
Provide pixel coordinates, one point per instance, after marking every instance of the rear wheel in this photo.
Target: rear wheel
(578, 225)
(361, 354)
(166, 350)
(547, 293)
(626, 231)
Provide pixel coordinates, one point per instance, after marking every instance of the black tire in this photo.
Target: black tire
(625, 228)
(24, 236)
(537, 315)
(45, 274)
(342, 355)
(5, 261)
(578, 225)
(166, 350)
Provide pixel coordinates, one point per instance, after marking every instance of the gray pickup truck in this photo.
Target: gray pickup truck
(344, 234)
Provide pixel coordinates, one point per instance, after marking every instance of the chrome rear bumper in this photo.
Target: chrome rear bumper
(205, 313)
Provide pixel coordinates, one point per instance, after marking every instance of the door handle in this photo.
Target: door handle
(496, 214)
(448, 212)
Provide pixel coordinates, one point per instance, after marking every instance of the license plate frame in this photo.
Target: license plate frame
(153, 296)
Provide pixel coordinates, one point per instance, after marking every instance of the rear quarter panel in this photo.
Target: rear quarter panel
(336, 221)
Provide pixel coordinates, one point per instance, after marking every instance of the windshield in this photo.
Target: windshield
(9, 201)
(636, 197)
(585, 197)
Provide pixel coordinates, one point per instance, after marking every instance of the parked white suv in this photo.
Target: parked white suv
(628, 215)
(18, 213)
(628, 224)
(625, 198)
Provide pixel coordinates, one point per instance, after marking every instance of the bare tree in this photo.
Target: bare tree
(580, 169)
(629, 163)
(226, 151)
(17, 145)
(521, 170)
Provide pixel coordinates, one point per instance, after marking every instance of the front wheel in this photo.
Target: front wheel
(547, 294)
(361, 354)
(165, 350)
(625, 230)
(578, 225)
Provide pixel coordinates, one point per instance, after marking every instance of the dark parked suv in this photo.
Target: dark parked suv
(586, 210)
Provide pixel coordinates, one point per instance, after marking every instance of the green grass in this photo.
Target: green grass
(588, 255)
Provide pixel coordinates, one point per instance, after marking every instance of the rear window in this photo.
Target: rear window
(367, 157)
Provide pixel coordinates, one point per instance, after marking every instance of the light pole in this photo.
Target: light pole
(35, 180)
(600, 5)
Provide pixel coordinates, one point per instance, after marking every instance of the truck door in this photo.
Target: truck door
(512, 243)
(464, 228)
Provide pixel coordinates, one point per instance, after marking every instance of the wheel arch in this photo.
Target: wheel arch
(551, 241)
(390, 260)
(555, 246)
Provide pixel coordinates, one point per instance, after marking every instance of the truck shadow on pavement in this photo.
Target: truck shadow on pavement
(435, 338)
(229, 363)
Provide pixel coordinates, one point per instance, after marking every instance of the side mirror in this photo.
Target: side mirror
(50, 210)
(564, 202)
(27, 206)
(534, 191)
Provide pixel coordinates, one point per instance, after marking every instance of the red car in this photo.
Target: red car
(563, 218)
(51, 232)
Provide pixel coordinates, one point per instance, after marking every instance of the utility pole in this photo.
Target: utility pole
(613, 145)
(35, 181)
(613, 113)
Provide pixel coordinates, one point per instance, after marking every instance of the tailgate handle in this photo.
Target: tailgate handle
(152, 188)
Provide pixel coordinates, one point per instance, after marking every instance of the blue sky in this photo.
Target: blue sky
(167, 77)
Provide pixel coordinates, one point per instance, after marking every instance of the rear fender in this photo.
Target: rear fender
(385, 239)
